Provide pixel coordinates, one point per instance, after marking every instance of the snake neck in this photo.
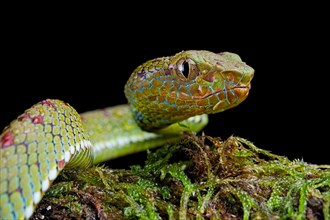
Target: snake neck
(148, 123)
(169, 125)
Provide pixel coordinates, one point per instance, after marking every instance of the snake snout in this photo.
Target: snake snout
(236, 87)
(236, 78)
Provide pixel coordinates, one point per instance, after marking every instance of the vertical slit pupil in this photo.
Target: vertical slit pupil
(185, 69)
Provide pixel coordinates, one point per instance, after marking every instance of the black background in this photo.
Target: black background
(85, 60)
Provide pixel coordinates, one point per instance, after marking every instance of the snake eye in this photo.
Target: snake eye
(184, 68)
(187, 69)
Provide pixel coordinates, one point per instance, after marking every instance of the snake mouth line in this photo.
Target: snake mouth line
(242, 89)
(240, 93)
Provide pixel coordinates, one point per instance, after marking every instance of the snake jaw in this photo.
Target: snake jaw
(241, 94)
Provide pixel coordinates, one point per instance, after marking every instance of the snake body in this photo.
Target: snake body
(166, 97)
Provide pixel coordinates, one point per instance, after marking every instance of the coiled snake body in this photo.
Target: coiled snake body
(166, 97)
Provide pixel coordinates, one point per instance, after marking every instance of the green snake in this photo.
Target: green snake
(166, 96)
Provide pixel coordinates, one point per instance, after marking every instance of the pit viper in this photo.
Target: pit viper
(166, 96)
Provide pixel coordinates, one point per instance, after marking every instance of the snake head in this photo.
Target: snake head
(170, 89)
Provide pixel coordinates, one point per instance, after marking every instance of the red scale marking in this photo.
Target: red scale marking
(167, 72)
(7, 140)
(60, 164)
(49, 103)
(37, 119)
(21, 118)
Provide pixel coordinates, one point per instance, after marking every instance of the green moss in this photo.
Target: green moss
(200, 177)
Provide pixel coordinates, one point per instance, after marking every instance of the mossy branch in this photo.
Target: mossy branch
(201, 177)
